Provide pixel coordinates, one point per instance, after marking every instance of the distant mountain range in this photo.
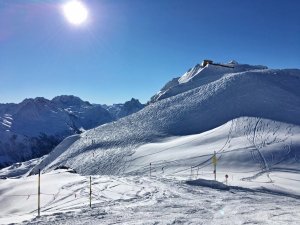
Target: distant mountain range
(34, 127)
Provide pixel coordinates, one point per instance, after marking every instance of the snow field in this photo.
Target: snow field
(245, 146)
(138, 200)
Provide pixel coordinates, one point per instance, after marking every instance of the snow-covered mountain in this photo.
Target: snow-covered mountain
(156, 164)
(34, 127)
(249, 115)
(124, 109)
(200, 75)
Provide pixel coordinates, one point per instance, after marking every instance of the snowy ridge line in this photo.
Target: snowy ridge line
(219, 152)
(232, 99)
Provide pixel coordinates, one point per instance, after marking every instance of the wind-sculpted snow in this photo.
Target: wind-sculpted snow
(264, 95)
(208, 183)
(199, 76)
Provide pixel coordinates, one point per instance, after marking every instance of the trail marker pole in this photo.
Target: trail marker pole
(150, 169)
(90, 191)
(214, 160)
(39, 194)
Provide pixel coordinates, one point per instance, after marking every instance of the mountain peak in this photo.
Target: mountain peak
(37, 100)
(233, 62)
(69, 100)
(199, 75)
(133, 101)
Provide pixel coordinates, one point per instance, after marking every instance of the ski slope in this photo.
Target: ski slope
(139, 200)
(250, 118)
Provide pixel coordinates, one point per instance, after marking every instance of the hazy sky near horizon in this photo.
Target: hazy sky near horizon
(131, 48)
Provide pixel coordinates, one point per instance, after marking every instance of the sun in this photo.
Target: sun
(75, 12)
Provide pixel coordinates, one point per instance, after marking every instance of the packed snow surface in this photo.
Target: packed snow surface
(139, 200)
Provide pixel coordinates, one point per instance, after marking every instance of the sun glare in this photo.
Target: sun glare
(75, 12)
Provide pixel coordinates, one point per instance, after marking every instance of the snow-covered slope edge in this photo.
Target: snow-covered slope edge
(265, 96)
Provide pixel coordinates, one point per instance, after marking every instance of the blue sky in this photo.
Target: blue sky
(131, 48)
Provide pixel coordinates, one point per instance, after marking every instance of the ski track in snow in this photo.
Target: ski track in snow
(166, 199)
(160, 200)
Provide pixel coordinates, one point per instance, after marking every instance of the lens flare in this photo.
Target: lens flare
(75, 12)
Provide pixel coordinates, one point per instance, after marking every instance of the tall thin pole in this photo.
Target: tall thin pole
(214, 159)
(215, 171)
(90, 191)
(150, 170)
(39, 193)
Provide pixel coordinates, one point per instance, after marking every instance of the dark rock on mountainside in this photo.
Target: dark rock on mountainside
(34, 127)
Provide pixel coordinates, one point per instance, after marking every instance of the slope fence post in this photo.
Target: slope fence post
(214, 160)
(39, 194)
(90, 191)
